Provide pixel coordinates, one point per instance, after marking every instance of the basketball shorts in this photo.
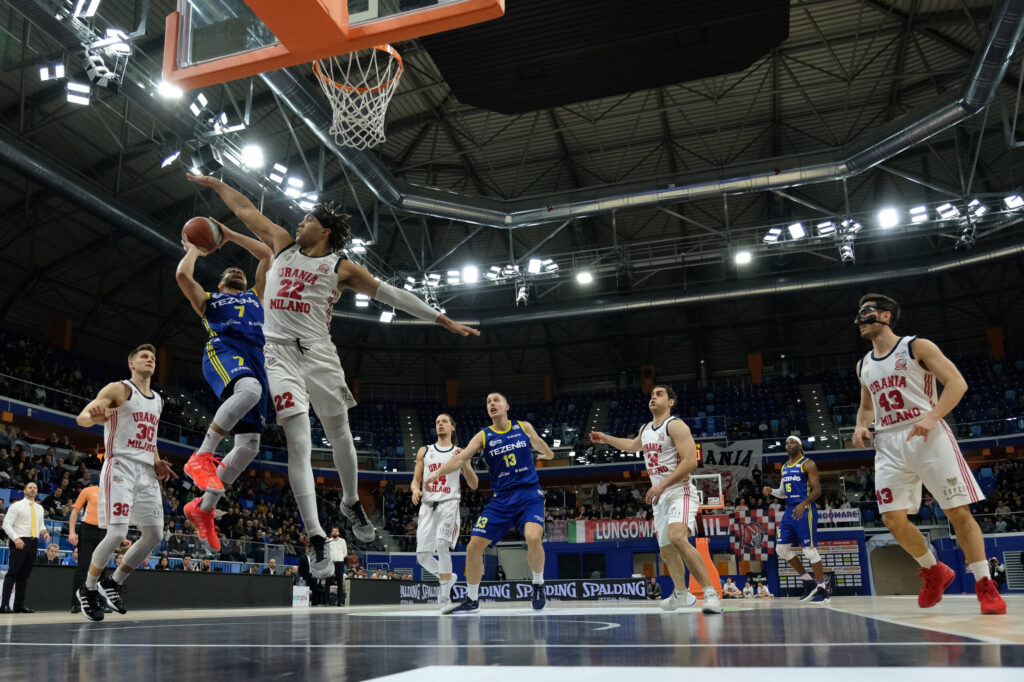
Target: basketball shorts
(307, 375)
(799, 532)
(223, 364)
(678, 504)
(902, 466)
(438, 521)
(510, 509)
(129, 492)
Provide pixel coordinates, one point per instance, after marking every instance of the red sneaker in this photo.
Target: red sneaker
(204, 523)
(202, 469)
(934, 582)
(988, 595)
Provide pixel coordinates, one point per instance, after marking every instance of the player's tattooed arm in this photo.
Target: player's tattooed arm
(537, 442)
(865, 416)
(274, 235)
(99, 408)
(459, 459)
(186, 280)
(417, 476)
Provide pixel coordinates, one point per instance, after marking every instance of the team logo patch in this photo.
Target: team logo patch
(118, 479)
(954, 488)
(270, 361)
(901, 364)
(323, 268)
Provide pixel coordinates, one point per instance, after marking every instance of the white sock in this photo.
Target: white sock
(538, 578)
(90, 581)
(709, 590)
(806, 576)
(821, 583)
(211, 441)
(120, 576)
(473, 592)
(927, 560)
(679, 593)
(980, 570)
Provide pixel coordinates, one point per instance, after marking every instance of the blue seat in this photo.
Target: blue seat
(939, 514)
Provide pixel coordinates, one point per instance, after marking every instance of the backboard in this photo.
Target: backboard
(214, 41)
(709, 490)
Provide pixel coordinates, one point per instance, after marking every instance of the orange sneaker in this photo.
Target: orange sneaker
(934, 582)
(988, 595)
(204, 523)
(202, 469)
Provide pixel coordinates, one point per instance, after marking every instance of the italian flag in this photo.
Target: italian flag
(577, 531)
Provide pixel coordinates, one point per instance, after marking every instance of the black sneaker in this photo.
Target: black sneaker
(538, 599)
(320, 564)
(467, 605)
(809, 587)
(111, 593)
(361, 526)
(76, 607)
(91, 603)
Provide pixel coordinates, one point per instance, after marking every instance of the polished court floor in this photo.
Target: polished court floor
(568, 641)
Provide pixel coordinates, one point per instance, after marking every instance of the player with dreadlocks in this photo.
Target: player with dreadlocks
(306, 278)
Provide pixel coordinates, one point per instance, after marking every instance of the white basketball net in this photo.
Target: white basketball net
(359, 86)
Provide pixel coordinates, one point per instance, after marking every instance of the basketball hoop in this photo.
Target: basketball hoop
(359, 86)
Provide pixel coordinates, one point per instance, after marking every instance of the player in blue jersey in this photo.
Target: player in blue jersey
(518, 502)
(233, 366)
(800, 487)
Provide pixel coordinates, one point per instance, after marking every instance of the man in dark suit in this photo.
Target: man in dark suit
(51, 557)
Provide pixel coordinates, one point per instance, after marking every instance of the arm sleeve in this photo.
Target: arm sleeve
(405, 301)
(777, 492)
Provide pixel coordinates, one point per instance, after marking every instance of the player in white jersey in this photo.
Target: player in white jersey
(129, 487)
(437, 529)
(913, 445)
(306, 278)
(670, 455)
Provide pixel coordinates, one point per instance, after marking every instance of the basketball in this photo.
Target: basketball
(203, 233)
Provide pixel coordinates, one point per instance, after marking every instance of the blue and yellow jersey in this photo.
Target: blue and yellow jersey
(509, 458)
(237, 318)
(794, 482)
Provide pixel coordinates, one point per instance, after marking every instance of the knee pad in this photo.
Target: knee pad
(785, 552)
(811, 554)
(249, 391)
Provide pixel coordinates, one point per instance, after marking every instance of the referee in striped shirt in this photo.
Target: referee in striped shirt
(23, 525)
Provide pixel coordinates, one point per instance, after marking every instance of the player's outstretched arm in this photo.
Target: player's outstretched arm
(258, 249)
(186, 280)
(274, 235)
(459, 459)
(536, 442)
(865, 416)
(624, 444)
(417, 476)
(359, 279)
(110, 396)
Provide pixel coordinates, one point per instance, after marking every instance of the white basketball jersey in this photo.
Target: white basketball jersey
(660, 454)
(130, 432)
(446, 487)
(902, 391)
(301, 293)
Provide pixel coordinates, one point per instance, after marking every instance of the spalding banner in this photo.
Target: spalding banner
(364, 592)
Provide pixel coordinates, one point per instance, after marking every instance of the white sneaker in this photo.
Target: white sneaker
(712, 604)
(444, 594)
(673, 602)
